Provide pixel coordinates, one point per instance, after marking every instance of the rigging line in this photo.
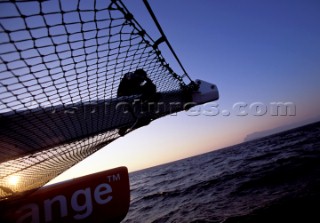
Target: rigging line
(125, 11)
(165, 37)
(121, 6)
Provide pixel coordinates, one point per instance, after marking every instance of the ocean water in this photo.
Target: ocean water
(273, 179)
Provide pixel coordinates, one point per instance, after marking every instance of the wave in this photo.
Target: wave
(251, 182)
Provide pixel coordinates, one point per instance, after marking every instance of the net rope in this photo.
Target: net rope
(55, 54)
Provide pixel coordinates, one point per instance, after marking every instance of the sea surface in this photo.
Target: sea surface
(273, 179)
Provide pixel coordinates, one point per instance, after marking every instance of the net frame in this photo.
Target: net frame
(59, 54)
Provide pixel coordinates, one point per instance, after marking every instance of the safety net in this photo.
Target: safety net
(61, 63)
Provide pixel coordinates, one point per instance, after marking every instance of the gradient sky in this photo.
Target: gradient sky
(255, 52)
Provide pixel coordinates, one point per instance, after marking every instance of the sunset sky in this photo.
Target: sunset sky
(256, 52)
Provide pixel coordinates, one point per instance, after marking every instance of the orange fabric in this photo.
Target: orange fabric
(99, 197)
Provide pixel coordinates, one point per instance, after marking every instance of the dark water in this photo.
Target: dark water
(274, 179)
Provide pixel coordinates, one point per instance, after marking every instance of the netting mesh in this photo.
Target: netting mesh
(59, 61)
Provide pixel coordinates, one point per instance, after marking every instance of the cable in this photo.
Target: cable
(164, 37)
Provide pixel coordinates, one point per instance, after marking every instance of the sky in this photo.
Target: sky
(257, 53)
